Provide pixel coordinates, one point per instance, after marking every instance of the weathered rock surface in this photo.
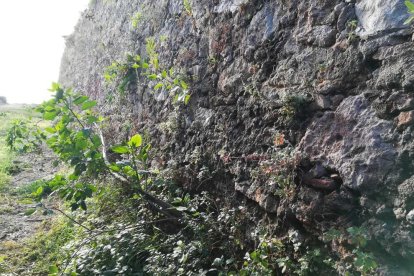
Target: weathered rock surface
(259, 69)
(355, 142)
(377, 15)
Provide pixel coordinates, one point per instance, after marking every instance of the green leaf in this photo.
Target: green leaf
(184, 85)
(74, 206)
(79, 100)
(158, 86)
(410, 5)
(96, 140)
(88, 105)
(187, 99)
(30, 211)
(177, 200)
(164, 74)
(254, 256)
(144, 157)
(79, 168)
(155, 63)
(120, 149)
(128, 170)
(50, 130)
(59, 94)
(115, 168)
(50, 108)
(152, 77)
(49, 115)
(55, 87)
(135, 141)
(92, 119)
(83, 205)
(53, 269)
(81, 144)
(92, 188)
(409, 20)
(175, 99)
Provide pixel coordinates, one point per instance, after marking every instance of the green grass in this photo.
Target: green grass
(36, 254)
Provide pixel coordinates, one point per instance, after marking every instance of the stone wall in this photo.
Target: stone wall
(335, 78)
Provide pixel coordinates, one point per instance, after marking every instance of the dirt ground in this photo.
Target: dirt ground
(17, 220)
(21, 219)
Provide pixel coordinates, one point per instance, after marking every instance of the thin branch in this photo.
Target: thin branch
(137, 225)
(70, 218)
(74, 115)
(167, 209)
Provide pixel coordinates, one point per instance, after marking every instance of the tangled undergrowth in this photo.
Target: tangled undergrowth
(125, 216)
(129, 239)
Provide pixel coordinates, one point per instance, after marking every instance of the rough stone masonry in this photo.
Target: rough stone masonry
(336, 78)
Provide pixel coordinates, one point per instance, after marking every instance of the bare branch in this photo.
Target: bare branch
(164, 207)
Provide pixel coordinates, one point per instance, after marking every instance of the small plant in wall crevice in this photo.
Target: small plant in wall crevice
(124, 73)
(410, 7)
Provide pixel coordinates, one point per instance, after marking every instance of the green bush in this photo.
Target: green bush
(22, 137)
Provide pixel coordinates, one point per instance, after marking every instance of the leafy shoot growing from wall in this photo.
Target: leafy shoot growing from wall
(187, 7)
(136, 19)
(351, 27)
(161, 80)
(410, 7)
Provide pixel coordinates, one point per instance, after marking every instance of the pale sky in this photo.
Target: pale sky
(32, 44)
